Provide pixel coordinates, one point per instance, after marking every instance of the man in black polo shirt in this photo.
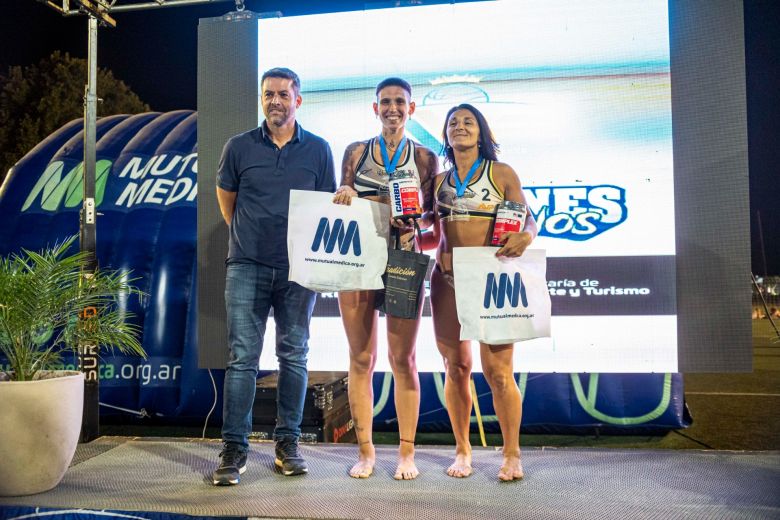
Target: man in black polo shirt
(256, 173)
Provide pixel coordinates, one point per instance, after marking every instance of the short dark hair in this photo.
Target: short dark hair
(394, 82)
(284, 73)
(488, 147)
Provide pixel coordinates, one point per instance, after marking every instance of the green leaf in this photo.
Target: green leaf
(48, 304)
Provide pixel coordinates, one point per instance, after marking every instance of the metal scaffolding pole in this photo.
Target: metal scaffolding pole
(97, 11)
(88, 354)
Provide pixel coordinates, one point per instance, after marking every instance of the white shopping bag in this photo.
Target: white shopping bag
(333, 247)
(501, 300)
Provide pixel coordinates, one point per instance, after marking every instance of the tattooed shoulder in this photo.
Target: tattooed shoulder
(351, 155)
(431, 162)
(354, 147)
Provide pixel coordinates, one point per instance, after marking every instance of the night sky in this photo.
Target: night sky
(155, 52)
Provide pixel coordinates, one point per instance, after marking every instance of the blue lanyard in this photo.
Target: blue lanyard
(390, 163)
(460, 186)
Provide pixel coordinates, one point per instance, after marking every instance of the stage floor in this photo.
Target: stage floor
(171, 476)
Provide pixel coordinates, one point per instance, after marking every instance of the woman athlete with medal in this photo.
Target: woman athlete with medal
(467, 197)
(365, 173)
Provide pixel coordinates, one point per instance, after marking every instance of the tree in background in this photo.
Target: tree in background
(38, 99)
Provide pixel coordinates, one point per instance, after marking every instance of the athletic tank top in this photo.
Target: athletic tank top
(371, 177)
(482, 195)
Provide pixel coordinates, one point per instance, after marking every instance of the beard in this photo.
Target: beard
(278, 116)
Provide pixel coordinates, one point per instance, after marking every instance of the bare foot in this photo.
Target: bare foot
(511, 469)
(365, 464)
(363, 469)
(406, 470)
(461, 468)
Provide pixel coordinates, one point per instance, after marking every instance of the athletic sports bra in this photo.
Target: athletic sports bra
(482, 196)
(371, 177)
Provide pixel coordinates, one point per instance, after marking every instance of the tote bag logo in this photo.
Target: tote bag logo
(339, 234)
(506, 290)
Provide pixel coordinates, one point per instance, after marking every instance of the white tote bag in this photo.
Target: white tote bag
(333, 247)
(501, 300)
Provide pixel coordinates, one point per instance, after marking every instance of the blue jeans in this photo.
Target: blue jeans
(251, 290)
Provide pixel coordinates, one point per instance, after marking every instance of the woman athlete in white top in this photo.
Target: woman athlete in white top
(467, 197)
(364, 173)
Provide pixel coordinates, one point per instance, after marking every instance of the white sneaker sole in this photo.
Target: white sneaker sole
(230, 482)
(280, 465)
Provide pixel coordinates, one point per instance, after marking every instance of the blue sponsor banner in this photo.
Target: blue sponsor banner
(555, 403)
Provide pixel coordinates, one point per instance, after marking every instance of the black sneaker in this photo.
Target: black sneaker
(288, 458)
(232, 464)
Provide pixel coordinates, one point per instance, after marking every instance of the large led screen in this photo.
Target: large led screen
(578, 96)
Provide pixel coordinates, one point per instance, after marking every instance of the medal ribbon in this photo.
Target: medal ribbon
(390, 164)
(460, 186)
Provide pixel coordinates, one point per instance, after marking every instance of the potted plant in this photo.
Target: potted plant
(49, 307)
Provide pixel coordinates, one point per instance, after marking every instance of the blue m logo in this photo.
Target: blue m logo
(514, 291)
(328, 236)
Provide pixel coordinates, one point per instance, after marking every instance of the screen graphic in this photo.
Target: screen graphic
(578, 96)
